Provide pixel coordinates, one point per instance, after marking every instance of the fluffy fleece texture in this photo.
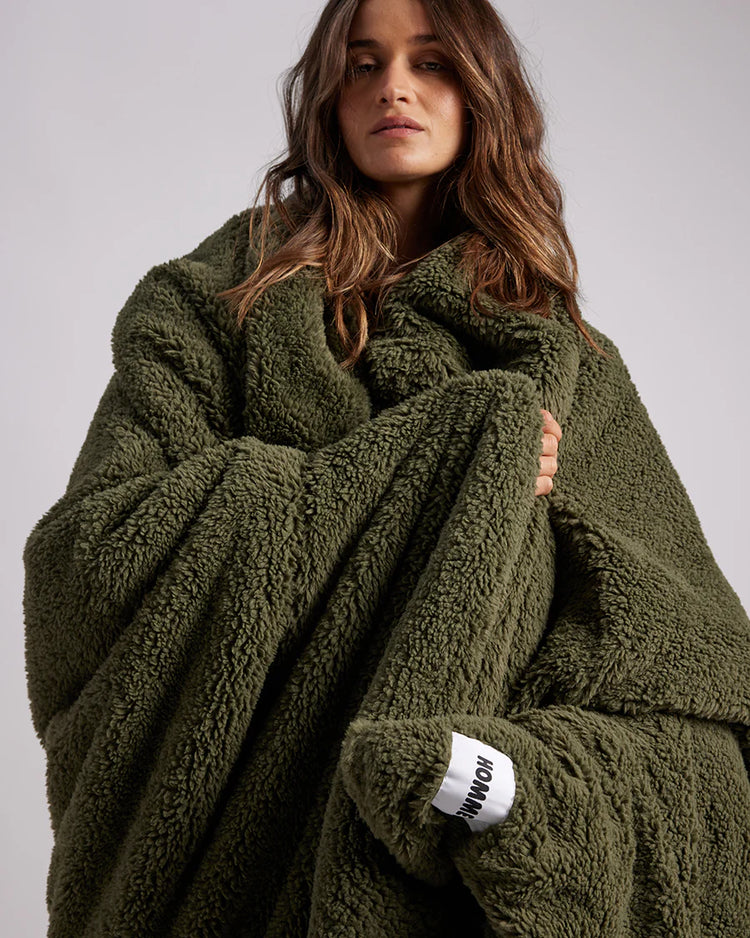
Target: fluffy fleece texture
(272, 589)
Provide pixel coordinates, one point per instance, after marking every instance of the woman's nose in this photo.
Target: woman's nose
(395, 83)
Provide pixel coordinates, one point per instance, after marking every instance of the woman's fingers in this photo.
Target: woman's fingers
(551, 436)
(551, 425)
(543, 485)
(549, 444)
(549, 465)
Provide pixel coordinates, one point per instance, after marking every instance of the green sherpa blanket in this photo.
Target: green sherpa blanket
(273, 590)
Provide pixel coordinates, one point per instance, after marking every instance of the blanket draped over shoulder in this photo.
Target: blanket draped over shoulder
(272, 589)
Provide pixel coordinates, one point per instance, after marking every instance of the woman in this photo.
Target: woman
(314, 646)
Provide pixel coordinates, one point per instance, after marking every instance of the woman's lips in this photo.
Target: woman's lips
(397, 132)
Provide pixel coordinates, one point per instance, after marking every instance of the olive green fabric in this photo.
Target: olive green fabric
(273, 588)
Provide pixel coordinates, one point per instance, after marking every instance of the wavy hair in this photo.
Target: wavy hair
(500, 189)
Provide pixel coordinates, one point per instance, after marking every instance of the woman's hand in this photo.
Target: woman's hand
(551, 437)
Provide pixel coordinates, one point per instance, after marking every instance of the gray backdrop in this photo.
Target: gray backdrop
(133, 131)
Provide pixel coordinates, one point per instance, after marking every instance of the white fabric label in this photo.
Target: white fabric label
(479, 785)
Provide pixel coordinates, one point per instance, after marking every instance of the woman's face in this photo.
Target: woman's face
(394, 76)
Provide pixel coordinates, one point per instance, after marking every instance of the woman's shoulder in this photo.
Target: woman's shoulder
(208, 267)
(227, 254)
(601, 367)
(233, 250)
(224, 242)
(607, 365)
(605, 393)
(179, 296)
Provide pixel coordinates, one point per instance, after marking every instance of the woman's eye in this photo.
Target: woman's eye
(364, 67)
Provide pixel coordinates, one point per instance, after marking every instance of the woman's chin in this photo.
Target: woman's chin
(395, 175)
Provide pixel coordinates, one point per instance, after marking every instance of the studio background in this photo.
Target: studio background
(133, 131)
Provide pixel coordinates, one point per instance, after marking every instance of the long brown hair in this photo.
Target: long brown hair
(500, 190)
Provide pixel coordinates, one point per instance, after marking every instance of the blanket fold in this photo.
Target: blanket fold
(272, 589)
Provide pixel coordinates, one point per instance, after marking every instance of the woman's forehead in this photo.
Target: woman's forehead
(379, 19)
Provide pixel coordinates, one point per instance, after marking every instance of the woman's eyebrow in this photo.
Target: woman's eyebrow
(421, 39)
